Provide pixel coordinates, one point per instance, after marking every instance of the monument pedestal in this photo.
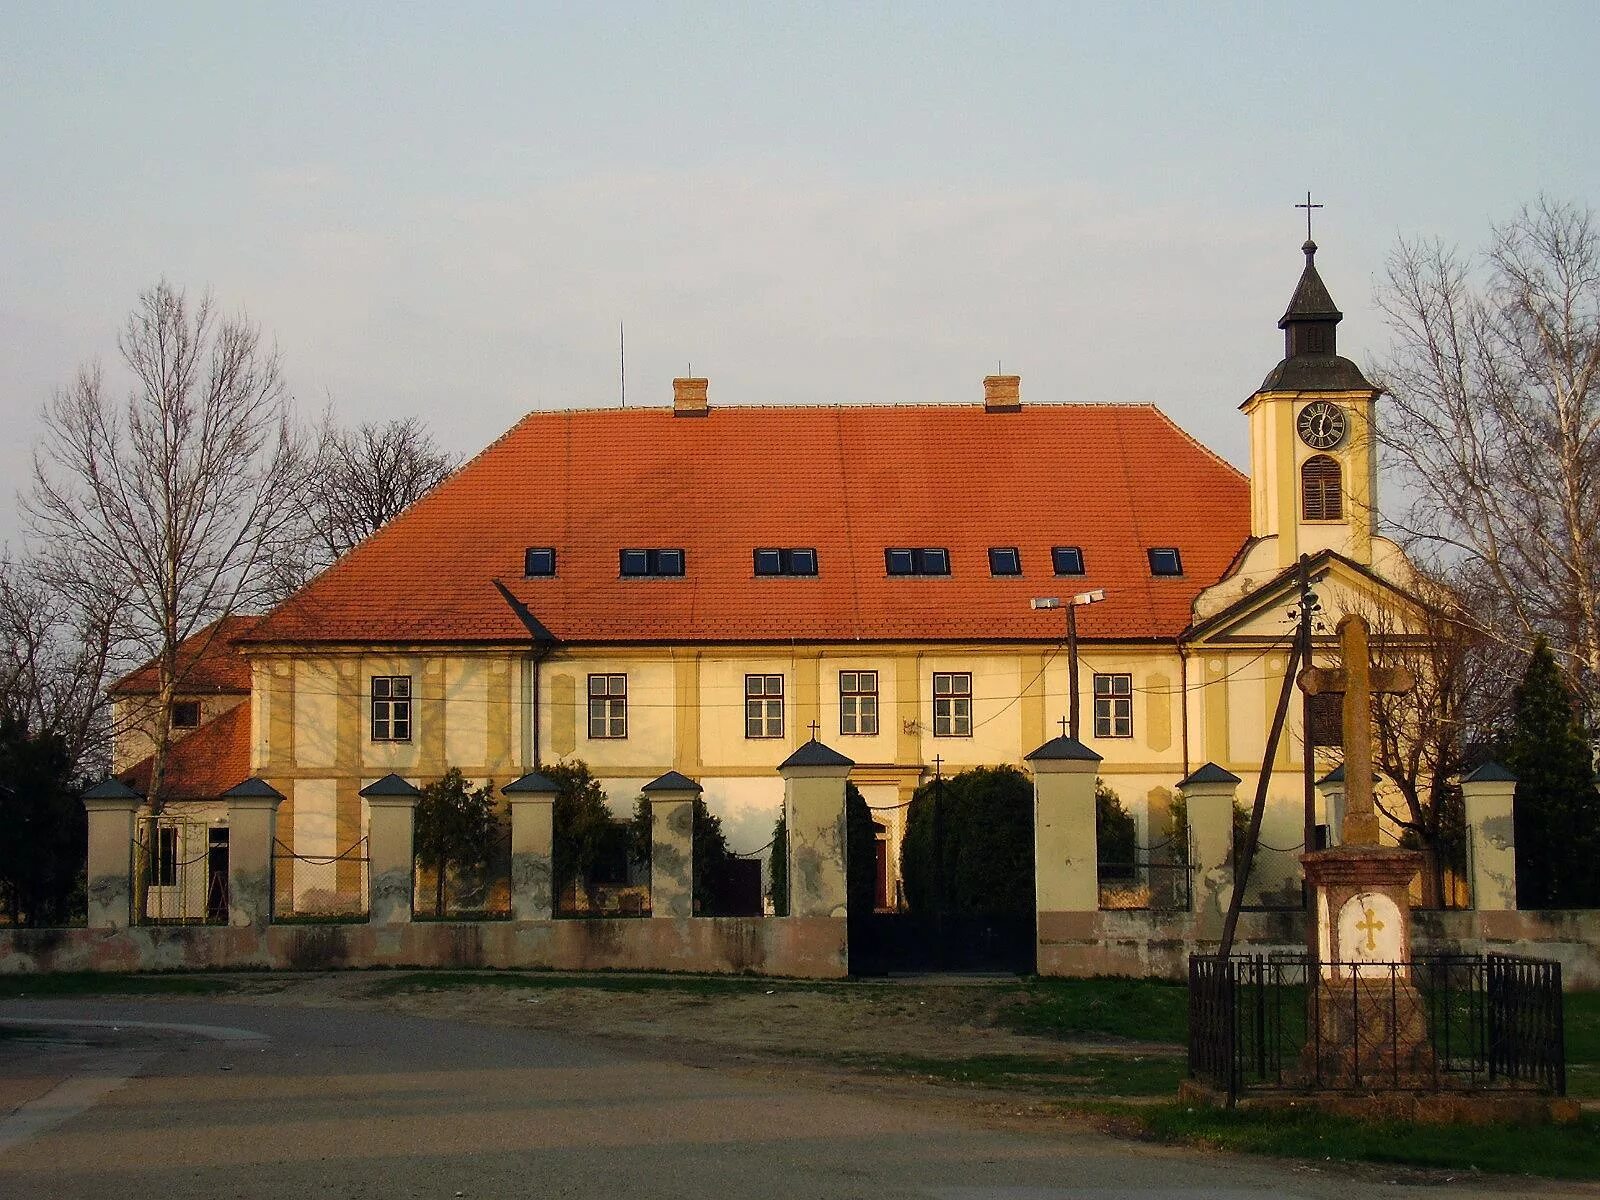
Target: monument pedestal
(1367, 1023)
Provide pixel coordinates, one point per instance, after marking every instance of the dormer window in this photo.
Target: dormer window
(931, 560)
(1005, 560)
(1165, 560)
(796, 560)
(539, 560)
(1066, 560)
(648, 563)
(1321, 493)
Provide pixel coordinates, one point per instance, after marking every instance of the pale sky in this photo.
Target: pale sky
(447, 211)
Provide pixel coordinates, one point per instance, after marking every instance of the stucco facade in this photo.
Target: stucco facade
(1198, 689)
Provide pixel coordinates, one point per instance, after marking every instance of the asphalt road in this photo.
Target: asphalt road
(122, 1100)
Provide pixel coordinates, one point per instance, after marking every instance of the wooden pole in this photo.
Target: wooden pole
(1072, 664)
(1309, 753)
(1241, 874)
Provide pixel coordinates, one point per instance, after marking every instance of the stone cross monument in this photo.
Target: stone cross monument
(1367, 1010)
(1355, 683)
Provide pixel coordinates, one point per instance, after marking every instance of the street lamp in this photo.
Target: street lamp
(1072, 606)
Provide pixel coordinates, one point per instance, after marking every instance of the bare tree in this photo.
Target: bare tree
(175, 498)
(1425, 738)
(1493, 427)
(56, 652)
(362, 478)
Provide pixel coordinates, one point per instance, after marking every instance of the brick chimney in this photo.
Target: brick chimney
(689, 397)
(1002, 393)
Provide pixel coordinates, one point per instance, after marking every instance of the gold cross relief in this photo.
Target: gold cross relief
(1356, 680)
(1370, 926)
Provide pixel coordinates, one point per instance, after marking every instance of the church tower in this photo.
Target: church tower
(1313, 473)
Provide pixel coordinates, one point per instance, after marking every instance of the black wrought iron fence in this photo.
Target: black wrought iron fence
(1440, 1022)
(320, 887)
(466, 891)
(1277, 880)
(1148, 883)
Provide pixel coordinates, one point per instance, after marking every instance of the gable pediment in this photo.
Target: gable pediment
(1252, 608)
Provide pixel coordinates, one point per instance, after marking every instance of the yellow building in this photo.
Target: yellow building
(701, 588)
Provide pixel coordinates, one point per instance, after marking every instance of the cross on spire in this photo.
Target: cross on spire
(1308, 206)
(1063, 724)
(937, 763)
(814, 727)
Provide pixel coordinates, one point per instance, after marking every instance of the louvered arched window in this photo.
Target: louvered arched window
(1321, 493)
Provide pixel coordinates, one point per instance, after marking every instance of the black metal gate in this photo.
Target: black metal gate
(885, 943)
(1439, 1022)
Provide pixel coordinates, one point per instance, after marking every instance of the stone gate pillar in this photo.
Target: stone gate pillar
(671, 844)
(252, 829)
(1209, 795)
(1065, 844)
(111, 806)
(1487, 795)
(814, 778)
(391, 869)
(1065, 852)
(532, 800)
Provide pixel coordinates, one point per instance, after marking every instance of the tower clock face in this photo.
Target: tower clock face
(1321, 425)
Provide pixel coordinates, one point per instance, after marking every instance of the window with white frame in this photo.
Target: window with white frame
(391, 708)
(1113, 706)
(763, 706)
(952, 704)
(858, 702)
(608, 706)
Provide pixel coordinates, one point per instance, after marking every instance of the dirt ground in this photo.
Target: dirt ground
(829, 1022)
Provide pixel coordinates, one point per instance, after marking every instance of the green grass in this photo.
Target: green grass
(1146, 1010)
(96, 983)
(1069, 1075)
(1558, 1151)
(700, 985)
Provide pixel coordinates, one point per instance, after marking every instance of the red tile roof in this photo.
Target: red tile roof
(205, 763)
(210, 664)
(849, 481)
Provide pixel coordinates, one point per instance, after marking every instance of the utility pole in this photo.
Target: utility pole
(1073, 702)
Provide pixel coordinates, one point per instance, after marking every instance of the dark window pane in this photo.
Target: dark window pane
(186, 714)
(669, 562)
(635, 562)
(769, 562)
(1164, 560)
(1067, 560)
(803, 562)
(380, 686)
(933, 562)
(539, 560)
(899, 562)
(1004, 560)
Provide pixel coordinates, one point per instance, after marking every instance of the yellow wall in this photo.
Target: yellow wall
(686, 712)
(133, 724)
(1276, 456)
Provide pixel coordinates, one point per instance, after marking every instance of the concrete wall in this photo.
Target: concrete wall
(811, 948)
(1144, 944)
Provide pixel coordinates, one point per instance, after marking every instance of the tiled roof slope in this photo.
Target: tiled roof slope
(213, 664)
(205, 763)
(850, 481)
